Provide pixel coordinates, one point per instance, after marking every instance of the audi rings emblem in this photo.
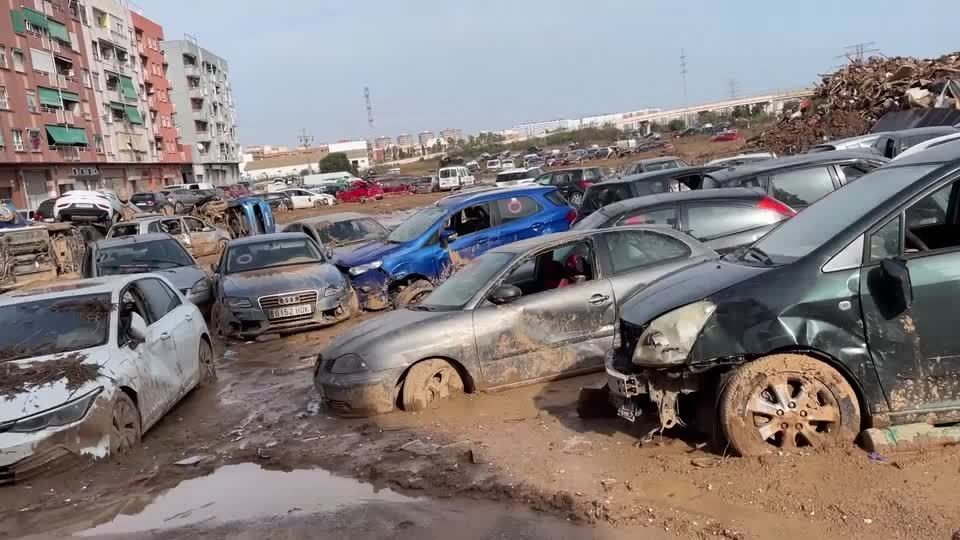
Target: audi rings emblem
(288, 300)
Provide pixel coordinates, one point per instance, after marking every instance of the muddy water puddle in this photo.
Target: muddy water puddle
(244, 492)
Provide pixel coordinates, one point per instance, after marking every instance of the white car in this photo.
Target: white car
(82, 205)
(518, 177)
(306, 198)
(929, 143)
(507, 164)
(493, 165)
(92, 364)
(457, 177)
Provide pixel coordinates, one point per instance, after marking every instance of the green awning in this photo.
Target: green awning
(126, 85)
(35, 17)
(118, 106)
(70, 96)
(49, 96)
(67, 136)
(133, 115)
(18, 24)
(58, 31)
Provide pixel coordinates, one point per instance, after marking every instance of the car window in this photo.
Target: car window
(159, 298)
(675, 185)
(129, 229)
(931, 210)
(350, 231)
(600, 195)
(470, 220)
(193, 224)
(456, 291)
(141, 257)
(706, 222)
(885, 242)
(153, 227)
(171, 226)
(660, 166)
(557, 268)
(663, 216)
(632, 250)
(591, 174)
(514, 208)
(556, 198)
(544, 179)
(562, 178)
(802, 188)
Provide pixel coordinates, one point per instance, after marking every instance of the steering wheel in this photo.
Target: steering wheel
(916, 241)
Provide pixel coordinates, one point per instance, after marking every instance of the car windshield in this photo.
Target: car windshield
(140, 257)
(417, 224)
(463, 285)
(350, 231)
(821, 221)
(54, 326)
(272, 254)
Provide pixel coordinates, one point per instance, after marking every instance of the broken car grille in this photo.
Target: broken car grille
(288, 300)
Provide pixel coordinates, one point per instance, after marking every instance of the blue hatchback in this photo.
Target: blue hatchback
(426, 248)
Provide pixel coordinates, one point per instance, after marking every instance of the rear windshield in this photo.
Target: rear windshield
(130, 229)
(663, 165)
(600, 195)
(272, 254)
(519, 175)
(142, 197)
(821, 221)
(342, 233)
(54, 326)
(142, 257)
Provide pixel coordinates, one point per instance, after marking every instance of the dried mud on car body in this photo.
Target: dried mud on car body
(16, 379)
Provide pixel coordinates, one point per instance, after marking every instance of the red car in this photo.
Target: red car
(396, 186)
(730, 135)
(360, 191)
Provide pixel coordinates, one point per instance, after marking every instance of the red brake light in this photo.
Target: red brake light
(769, 203)
(585, 184)
(571, 216)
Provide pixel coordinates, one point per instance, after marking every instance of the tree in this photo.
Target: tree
(677, 124)
(335, 162)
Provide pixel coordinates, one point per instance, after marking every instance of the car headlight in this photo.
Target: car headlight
(236, 302)
(363, 268)
(61, 415)
(201, 286)
(668, 338)
(348, 363)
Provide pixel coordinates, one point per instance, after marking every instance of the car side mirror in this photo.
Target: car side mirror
(328, 253)
(504, 294)
(138, 328)
(896, 281)
(447, 236)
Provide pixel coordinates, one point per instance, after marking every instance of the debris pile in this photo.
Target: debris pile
(848, 102)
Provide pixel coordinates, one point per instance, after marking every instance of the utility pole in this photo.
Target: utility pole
(733, 89)
(366, 95)
(858, 52)
(305, 139)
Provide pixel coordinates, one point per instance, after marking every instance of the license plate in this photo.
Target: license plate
(82, 205)
(290, 311)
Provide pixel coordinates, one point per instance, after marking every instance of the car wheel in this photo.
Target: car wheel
(576, 198)
(124, 426)
(363, 200)
(427, 383)
(318, 203)
(414, 293)
(786, 401)
(282, 207)
(178, 208)
(208, 365)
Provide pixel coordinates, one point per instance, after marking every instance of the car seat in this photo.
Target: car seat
(552, 274)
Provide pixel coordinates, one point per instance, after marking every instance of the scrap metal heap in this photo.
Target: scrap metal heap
(848, 102)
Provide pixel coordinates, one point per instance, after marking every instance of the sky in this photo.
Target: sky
(489, 65)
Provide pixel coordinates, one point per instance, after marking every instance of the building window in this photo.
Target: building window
(4, 103)
(18, 60)
(98, 143)
(96, 81)
(3, 145)
(31, 101)
(95, 48)
(17, 136)
(3, 56)
(36, 141)
(84, 18)
(86, 77)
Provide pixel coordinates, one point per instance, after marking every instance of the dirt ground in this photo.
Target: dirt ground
(520, 449)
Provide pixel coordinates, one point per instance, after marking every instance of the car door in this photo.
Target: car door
(554, 328)
(203, 239)
(467, 177)
(800, 188)
(175, 227)
(177, 318)
(518, 217)
(476, 233)
(916, 348)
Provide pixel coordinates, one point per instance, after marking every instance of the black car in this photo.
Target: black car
(278, 201)
(654, 164)
(799, 181)
(891, 143)
(44, 211)
(572, 183)
(838, 320)
(152, 202)
(615, 190)
(723, 219)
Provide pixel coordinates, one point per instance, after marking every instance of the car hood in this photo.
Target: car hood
(685, 286)
(349, 256)
(378, 332)
(37, 398)
(183, 277)
(285, 279)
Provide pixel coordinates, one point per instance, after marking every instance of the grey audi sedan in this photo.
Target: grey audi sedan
(278, 283)
(525, 312)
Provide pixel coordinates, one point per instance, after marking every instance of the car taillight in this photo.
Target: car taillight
(769, 203)
(571, 216)
(585, 184)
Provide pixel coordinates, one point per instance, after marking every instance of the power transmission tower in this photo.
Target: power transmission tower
(305, 140)
(683, 74)
(366, 95)
(858, 52)
(734, 87)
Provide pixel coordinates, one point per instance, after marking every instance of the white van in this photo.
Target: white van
(454, 177)
(493, 165)
(199, 185)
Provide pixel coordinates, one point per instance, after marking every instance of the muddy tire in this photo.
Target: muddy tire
(576, 199)
(178, 208)
(786, 401)
(427, 383)
(318, 203)
(414, 293)
(125, 428)
(208, 364)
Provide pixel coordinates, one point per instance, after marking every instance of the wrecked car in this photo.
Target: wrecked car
(341, 230)
(278, 283)
(198, 237)
(426, 248)
(157, 253)
(529, 311)
(838, 320)
(249, 216)
(88, 366)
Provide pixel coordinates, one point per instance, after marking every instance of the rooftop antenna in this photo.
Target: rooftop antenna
(305, 139)
(858, 51)
(683, 74)
(366, 95)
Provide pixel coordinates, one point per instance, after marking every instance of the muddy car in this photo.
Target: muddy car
(839, 319)
(529, 311)
(90, 365)
(198, 237)
(341, 230)
(278, 283)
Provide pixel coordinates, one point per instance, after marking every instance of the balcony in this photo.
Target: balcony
(191, 71)
(68, 153)
(203, 135)
(197, 92)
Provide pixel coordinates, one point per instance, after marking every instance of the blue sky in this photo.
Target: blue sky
(475, 65)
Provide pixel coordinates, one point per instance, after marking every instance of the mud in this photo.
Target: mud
(17, 379)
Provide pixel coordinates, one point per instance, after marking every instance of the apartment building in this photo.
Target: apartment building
(451, 134)
(405, 140)
(424, 136)
(205, 113)
(169, 157)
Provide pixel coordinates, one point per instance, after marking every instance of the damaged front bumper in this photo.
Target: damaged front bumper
(363, 393)
(250, 322)
(372, 289)
(636, 391)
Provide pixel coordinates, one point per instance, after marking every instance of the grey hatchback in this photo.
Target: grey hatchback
(529, 311)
